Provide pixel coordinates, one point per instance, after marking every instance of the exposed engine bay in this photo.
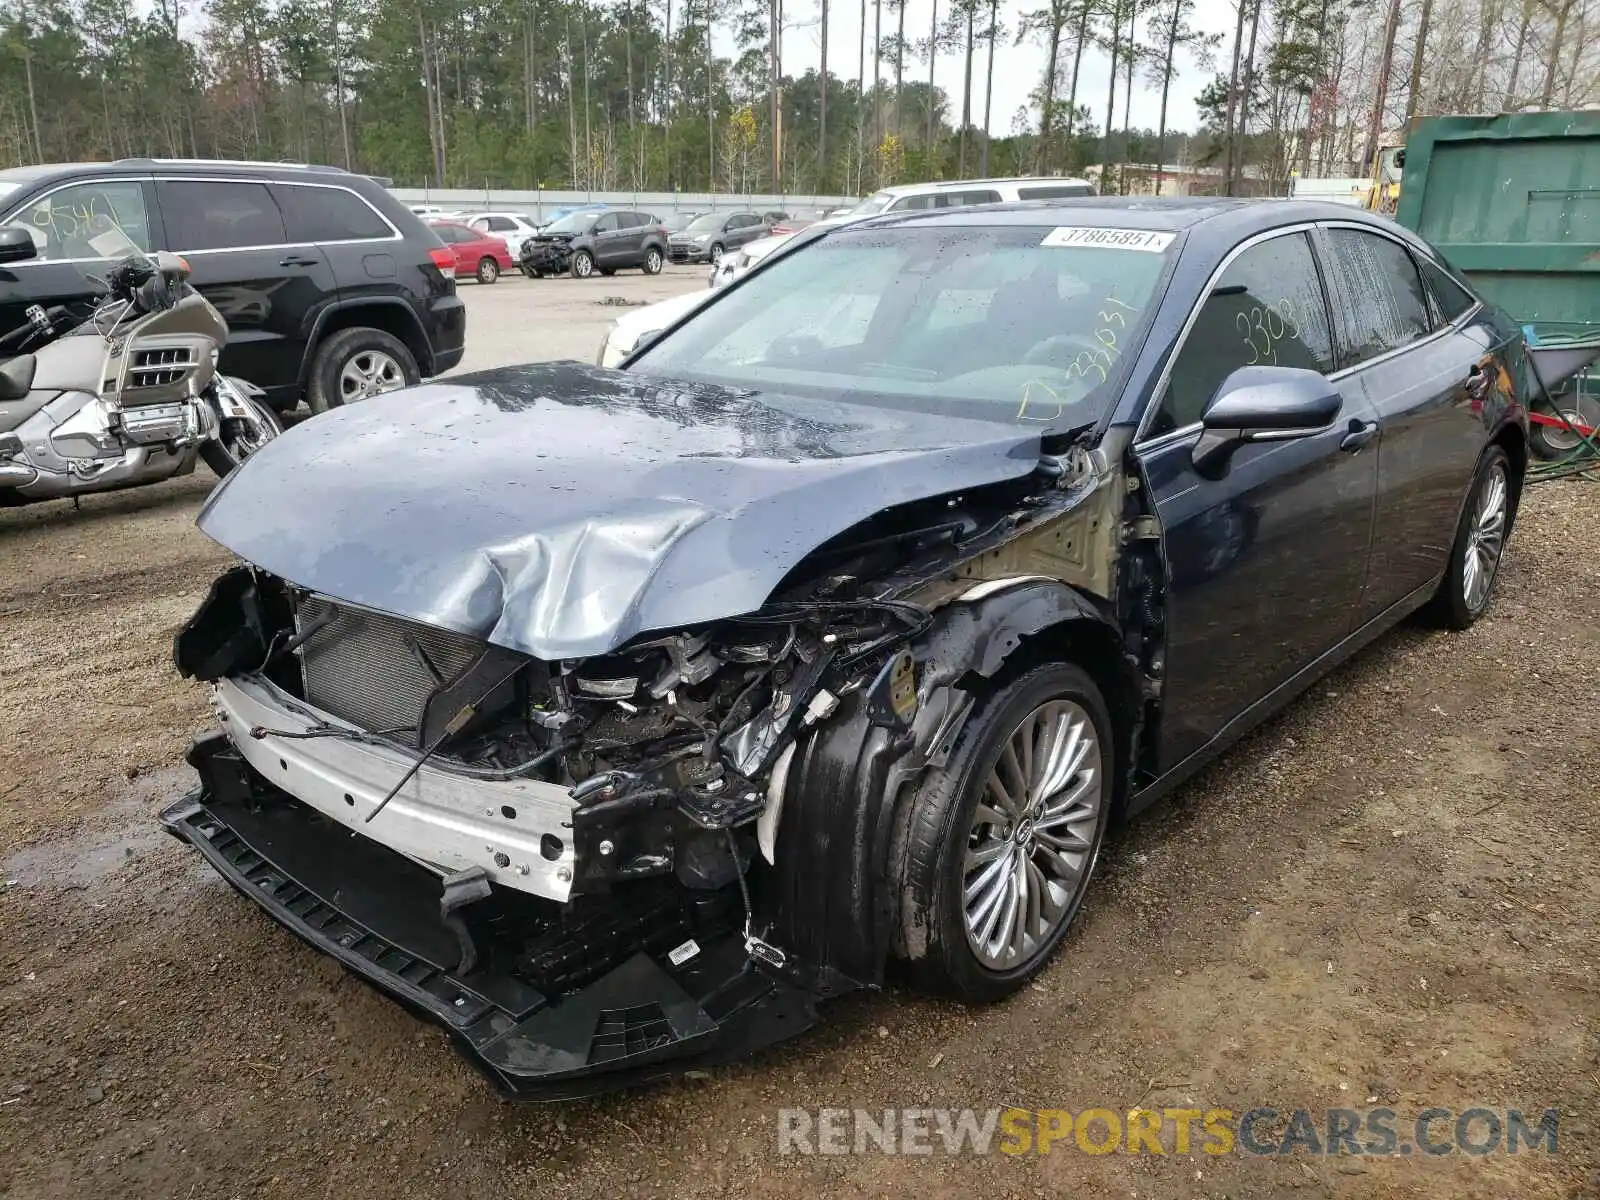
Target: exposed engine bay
(721, 794)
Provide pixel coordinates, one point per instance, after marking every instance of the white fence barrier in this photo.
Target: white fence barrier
(538, 203)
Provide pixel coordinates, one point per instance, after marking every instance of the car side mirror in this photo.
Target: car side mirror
(16, 244)
(1263, 404)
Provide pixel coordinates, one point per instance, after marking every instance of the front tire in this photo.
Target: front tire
(488, 271)
(582, 265)
(999, 844)
(1468, 584)
(356, 364)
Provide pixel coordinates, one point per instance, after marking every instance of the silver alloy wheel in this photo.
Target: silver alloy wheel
(1485, 538)
(583, 265)
(1032, 841)
(367, 374)
(652, 262)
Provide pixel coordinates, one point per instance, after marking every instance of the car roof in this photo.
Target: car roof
(45, 172)
(936, 185)
(1224, 215)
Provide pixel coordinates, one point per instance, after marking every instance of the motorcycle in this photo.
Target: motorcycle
(124, 394)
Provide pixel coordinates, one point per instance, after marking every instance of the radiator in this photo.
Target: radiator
(374, 671)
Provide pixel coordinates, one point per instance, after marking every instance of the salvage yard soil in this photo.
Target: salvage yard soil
(1388, 896)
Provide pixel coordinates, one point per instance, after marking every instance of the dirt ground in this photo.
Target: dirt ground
(1388, 892)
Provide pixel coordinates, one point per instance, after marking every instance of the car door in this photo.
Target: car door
(78, 230)
(607, 235)
(1266, 562)
(266, 287)
(1425, 375)
(743, 228)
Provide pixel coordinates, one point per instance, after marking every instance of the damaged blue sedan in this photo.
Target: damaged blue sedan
(615, 720)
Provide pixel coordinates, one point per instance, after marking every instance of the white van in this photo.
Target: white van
(956, 192)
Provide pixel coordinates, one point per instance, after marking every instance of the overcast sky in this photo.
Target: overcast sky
(1017, 69)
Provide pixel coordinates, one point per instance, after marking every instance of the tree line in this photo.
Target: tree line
(635, 94)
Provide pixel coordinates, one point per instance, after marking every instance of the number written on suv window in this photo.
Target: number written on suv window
(88, 220)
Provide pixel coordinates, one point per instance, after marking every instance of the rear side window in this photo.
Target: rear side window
(1382, 306)
(206, 215)
(1450, 299)
(327, 214)
(1267, 309)
(1059, 191)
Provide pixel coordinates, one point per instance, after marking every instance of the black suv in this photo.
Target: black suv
(588, 241)
(332, 289)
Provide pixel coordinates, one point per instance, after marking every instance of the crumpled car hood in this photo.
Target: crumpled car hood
(560, 510)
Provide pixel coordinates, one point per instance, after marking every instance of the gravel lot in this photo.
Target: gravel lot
(1388, 892)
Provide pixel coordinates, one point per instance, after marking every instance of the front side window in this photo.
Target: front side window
(998, 323)
(1382, 306)
(1267, 309)
(203, 215)
(87, 220)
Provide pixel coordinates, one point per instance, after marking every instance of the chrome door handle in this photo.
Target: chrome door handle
(1361, 432)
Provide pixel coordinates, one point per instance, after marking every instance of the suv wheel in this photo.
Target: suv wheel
(652, 261)
(356, 364)
(582, 265)
(488, 271)
(999, 844)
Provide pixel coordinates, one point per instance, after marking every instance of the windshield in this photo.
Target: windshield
(874, 203)
(709, 223)
(577, 222)
(1017, 324)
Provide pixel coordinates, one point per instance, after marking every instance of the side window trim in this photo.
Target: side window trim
(1153, 404)
(1343, 335)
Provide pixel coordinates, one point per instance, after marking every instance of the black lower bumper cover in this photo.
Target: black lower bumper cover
(646, 1019)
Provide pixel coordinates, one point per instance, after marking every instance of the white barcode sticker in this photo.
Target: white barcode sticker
(682, 954)
(1110, 239)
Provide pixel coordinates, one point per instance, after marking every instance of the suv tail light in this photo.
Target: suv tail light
(444, 259)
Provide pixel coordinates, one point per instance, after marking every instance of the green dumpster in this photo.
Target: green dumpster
(1513, 202)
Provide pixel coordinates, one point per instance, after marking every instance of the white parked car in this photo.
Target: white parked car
(510, 227)
(741, 260)
(622, 339)
(626, 331)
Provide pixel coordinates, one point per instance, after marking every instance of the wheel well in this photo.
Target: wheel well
(393, 319)
(1514, 442)
(1096, 649)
